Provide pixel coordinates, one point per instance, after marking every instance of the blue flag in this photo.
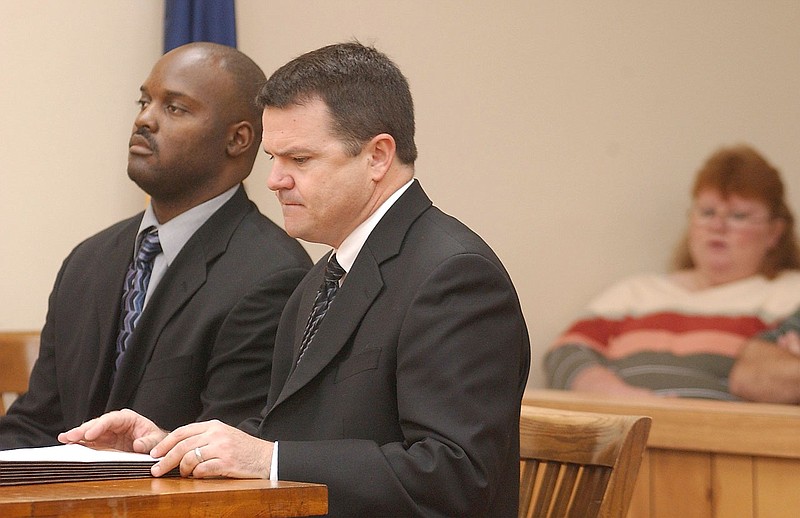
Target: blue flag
(186, 21)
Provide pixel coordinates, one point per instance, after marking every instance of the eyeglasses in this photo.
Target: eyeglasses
(736, 220)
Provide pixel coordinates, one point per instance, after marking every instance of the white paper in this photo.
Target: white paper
(72, 453)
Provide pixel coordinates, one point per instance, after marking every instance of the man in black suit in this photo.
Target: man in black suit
(406, 400)
(202, 347)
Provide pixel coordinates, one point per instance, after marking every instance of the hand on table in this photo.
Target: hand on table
(123, 430)
(213, 449)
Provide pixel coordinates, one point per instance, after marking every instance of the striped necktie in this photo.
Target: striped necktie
(330, 285)
(136, 281)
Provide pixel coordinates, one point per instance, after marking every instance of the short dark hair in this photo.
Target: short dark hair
(363, 89)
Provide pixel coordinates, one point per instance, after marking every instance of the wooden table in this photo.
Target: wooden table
(147, 497)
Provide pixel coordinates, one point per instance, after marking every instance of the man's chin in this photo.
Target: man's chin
(144, 181)
(295, 231)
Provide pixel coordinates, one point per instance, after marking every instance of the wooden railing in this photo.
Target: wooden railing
(18, 352)
(706, 459)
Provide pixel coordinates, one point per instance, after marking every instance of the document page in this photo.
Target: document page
(72, 453)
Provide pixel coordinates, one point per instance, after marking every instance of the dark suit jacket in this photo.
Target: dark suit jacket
(202, 348)
(407, 400)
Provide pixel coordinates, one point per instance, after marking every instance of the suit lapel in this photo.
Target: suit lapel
(361, 286)
(186, 275)
(107, 303)
(171, 294)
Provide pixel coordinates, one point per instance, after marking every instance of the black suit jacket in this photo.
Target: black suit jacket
(202, 348)
(407, 400)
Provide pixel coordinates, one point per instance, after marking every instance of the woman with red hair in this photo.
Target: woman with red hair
(736, 273)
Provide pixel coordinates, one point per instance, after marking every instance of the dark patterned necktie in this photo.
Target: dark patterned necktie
(135, 289)
(330, 285)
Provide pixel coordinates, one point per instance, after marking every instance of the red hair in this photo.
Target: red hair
(741, 171)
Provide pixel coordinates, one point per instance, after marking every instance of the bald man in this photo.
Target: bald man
(199, 344)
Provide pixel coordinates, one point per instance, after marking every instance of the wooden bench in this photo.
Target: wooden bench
(706, 458)
(18, 352)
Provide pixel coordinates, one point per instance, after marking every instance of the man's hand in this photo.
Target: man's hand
(768, 372)
(213, 449)
(121, 429)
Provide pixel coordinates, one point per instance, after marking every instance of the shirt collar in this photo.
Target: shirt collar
(348, 251)
(174, 234)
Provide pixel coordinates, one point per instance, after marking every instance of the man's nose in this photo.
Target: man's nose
(277, 178)
(146, 118)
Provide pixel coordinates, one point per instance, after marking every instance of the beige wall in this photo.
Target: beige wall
(565, 133)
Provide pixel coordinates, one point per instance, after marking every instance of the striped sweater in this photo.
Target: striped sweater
(655, 334)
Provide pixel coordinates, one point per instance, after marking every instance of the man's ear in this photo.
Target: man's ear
(381, 153)
(240, 137)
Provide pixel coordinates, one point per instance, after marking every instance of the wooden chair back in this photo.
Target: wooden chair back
(578, 464)
(18, 352)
